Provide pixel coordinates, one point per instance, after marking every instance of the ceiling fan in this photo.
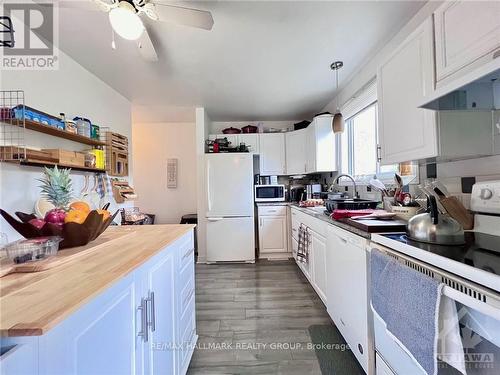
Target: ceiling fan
(126, 21)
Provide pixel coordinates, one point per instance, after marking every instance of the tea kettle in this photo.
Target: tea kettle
(431, 227)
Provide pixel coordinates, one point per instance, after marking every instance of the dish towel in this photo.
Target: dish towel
(303, 246)
(408, 302)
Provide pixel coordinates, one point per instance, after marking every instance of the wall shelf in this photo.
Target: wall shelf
(38, 163)
(41, 128)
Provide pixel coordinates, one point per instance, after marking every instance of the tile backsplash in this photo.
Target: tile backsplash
(451, 174)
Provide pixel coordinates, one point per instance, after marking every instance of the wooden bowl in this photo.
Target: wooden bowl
(73, 234)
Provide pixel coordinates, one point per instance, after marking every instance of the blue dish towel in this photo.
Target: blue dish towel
(408, 302)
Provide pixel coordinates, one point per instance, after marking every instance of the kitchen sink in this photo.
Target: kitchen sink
(349, 204)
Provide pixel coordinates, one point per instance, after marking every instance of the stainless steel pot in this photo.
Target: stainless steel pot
(430, 227)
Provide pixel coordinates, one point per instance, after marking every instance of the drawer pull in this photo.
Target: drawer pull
(188, 253)
(188, 297)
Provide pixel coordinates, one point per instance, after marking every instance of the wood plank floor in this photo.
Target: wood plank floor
(254, 319)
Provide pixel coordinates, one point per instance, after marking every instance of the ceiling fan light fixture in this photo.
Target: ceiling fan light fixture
(125, 21)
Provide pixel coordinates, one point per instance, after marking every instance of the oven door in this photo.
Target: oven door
(269, 193)
(478, 312)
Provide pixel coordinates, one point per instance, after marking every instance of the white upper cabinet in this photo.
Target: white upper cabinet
(404, 79)
(467, 34)
(320, 146)
(251, 141)
(296, 152)
(272, 154)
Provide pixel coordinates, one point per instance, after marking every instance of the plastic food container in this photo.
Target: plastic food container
(83, 126)
(33, 249)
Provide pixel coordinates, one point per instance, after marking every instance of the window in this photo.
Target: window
(359, 144)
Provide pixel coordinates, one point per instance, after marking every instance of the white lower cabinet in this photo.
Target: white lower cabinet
(318, 257)
(133, 327)
(159, 312)
(315, 269)
(347, 293)
(273, 238)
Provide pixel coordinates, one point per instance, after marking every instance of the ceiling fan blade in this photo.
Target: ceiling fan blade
(201, 19)
(146, 47)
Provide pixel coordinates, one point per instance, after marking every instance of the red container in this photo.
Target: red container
(231, 130)
(249, 129)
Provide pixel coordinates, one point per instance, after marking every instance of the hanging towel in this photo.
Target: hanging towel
(450, 346)
(303, 246)
(408, 302)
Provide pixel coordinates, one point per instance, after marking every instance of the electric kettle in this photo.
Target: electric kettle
(431, 227)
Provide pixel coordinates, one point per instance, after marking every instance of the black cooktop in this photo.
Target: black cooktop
(480, 251)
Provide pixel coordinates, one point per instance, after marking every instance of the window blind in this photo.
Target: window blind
(363, 98)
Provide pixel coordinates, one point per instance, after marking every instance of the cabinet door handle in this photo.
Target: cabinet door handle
(152, 322)
(144, 321)
(188, 253)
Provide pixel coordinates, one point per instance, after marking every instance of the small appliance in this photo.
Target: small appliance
(269, 193)
(297, 193)
(313, 189)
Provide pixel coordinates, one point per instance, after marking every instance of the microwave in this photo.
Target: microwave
(269, 193)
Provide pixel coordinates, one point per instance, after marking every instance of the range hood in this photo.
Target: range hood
(478, 90)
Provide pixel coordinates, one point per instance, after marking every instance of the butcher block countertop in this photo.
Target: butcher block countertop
(33, 303)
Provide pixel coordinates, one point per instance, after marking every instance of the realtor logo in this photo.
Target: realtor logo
(35, 37)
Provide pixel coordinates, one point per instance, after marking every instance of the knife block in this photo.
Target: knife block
(456, 210)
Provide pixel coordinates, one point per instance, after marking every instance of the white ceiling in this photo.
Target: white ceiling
(263, 60)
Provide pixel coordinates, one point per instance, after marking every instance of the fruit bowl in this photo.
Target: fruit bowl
(73, 234)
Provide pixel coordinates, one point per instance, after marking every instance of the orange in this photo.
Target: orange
(80, 206)
(105, 214)
(75, 216)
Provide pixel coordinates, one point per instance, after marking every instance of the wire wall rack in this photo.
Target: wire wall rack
(12, 126)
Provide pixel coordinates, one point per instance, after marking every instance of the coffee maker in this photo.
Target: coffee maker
(297, 193)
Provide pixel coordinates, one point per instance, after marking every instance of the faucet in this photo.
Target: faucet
(355, 194)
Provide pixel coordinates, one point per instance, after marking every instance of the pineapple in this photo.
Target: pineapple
(56, 188)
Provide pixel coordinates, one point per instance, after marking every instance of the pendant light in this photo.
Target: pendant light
(338, 120)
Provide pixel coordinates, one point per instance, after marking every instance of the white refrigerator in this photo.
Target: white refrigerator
(230, 207)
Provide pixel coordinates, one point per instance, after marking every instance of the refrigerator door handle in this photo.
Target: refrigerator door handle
(209, 201)
(215, 218)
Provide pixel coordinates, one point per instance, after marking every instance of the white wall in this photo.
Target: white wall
(70, 89)
(153, 144)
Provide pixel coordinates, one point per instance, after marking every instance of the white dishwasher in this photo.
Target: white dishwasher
(347, 297)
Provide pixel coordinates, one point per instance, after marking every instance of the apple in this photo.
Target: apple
(55, 216)
(37, 223)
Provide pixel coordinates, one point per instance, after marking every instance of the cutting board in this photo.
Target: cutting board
(377, 226)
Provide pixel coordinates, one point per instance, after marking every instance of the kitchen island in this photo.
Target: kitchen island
(107, 309)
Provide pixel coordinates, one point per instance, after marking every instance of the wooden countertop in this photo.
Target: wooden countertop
(33, 303)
